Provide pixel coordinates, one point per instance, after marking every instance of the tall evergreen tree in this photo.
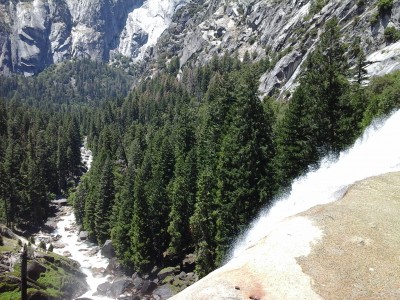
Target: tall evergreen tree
(313, 124)
(212, 124)
(104, 202)
(142, 251)
(182, 203)
(245, 164)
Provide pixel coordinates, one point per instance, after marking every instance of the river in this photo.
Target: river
(68, 243)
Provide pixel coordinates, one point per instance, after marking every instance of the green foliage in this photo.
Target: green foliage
(245, 164)
(50, 248)
(315, 7)
(179, 166)
(383, 94)
(42, 245)
(374, 18)
(104, 203)
(384, 6)
(391, 34)
(320, 117)
(69, 83)
(1, 241)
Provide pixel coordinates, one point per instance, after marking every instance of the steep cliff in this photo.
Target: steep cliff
(37, 33)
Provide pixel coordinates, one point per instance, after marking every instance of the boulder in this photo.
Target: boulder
(58, 245)
(120, 285)
(148, 287)
(50, 226)
(4, 268)
(67, 254)
(104, 288)
(98, 272)
(56, 237)
(137, 283)
(93, 251)
(164, 291)
(166, 272)
(113, 267)
(7, 232)
(34, 269)
(108, 250)
(83, 235)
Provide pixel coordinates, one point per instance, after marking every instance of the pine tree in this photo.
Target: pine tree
(202, 222)
(213, 122)
(162, 167)
(245, 164)
(182, 203)
(105, 202)
(313, 125)
(120, 233)
(142, 251)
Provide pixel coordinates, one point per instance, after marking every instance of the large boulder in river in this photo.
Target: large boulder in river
(50, 226)
(347, 249)
(119, 285)
(103, 289)
(83, 235)
(108, 249)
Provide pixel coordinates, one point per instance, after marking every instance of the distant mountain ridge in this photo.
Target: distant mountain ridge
(145, 35)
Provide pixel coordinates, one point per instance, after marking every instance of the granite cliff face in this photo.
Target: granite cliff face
(37, 33)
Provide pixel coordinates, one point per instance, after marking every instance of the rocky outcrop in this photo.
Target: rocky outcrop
(138, 34)
(341, 250)
(284, 31)
(35, 34)
(50, 276)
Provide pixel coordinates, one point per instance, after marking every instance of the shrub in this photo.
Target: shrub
(391, 34)
(1, 241)
(42, 245)
(50, 249)
(374, 18)
(384, 6)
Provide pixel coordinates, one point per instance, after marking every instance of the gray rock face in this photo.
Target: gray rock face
(37, 33)
(283, 31)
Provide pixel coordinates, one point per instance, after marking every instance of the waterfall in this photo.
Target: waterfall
(376, 152)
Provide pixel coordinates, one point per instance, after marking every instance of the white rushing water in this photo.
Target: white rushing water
(376, 152)
(82, 251)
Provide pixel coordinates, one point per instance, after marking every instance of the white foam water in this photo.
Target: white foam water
(376, 152)
(80, 252)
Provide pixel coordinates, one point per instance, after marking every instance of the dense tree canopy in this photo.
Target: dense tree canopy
(180, 166)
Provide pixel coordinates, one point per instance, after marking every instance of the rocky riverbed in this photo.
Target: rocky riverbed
(104, 276)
